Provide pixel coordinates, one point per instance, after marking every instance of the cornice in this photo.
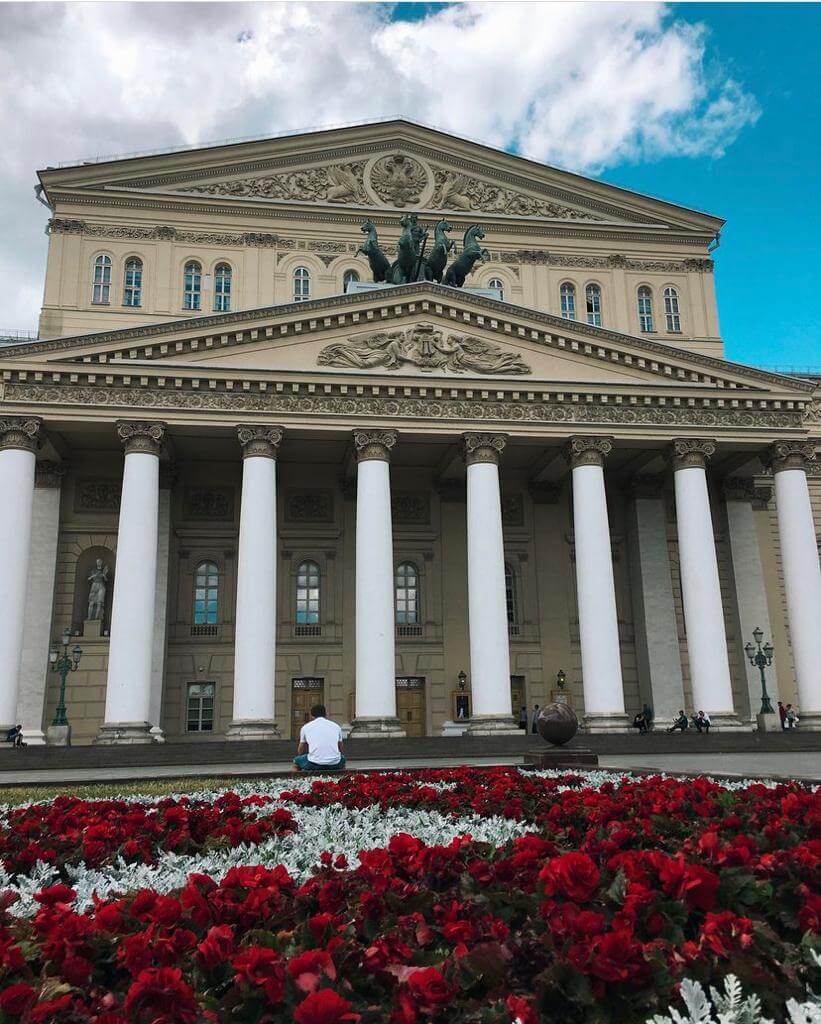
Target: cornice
(398, 302)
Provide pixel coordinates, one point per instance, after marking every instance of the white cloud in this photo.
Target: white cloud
(585, 86)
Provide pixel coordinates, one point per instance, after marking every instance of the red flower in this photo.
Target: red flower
(809, 916)
(725, 933)
(429, 989)
(521, 1011)
(325, 1007)
(616, 956)
(160, 996)
(56, 895)
(573, 875)
(261, 967)
(16, 999)
(217, 947)
(308, 968)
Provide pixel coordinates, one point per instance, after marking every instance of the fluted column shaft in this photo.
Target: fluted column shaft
(256, 625)
(700, 587)
(595, 587)
(487, 608)
(19, 439)
(128, 687)
(802, 576)
(375, 619)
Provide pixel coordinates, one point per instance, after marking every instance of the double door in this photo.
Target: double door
(305, 692)
(410, 704)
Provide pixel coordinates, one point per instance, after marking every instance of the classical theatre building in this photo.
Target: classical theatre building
(246, 478)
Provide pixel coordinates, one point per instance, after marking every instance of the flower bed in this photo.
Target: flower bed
(480, 896)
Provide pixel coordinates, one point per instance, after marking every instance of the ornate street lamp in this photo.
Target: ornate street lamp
(561, 679)
(761, 657)
(64, 663)
(463, 680)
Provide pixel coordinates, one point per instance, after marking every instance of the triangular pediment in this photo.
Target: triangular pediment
(394, 165)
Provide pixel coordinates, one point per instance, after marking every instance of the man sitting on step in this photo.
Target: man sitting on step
(320, 744)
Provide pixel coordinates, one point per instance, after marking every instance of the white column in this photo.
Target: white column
(487, 605)
(19, 438)
(256, 628)
(700, 588)
(375, 618)
(595, 587)
(802, 577)
(34, 671)
(161, 605)
(128, 687)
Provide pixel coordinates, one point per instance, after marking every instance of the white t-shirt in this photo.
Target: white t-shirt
(323, 738)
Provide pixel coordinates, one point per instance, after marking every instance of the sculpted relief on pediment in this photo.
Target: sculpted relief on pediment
(396, 180)
(423, 347)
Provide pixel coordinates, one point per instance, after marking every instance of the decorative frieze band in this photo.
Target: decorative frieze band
(690, 452)
(588, 451)
(21, 432)
(480, 447)
(744, 488)
(259, 441)
(49, 474)
(374, 444)
(790, 455)
(141, 436)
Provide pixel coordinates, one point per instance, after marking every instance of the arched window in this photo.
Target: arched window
(206, 594)
(645, 300)
(568, 297)
(133, 282)
(671, 310)
(348, 277)
(510, 596)
(498, 284)
(192, 286)
(592, 294)
(101, 293)
(307, 594)
(302, 284)
(222, 288)
(407, 594)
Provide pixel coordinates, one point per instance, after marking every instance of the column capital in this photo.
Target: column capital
(647, 485)
(690, 452)
(20, 432)
(582, 450)
(141, 436)
(745, 488)
(374, 444)
(259, 441)
(790, 454)
(49, 474)
(481, 447)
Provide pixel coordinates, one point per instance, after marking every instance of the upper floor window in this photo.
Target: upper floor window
(222, 288)
(133, 282)
(645, 300)
(302, 284)
(510, 596)
(671, 310)
(307, 594)
(496, 283)
(206, 594)
(407, 594)
(192, 286)
(568, 297)
(592, 296)
(348, 277)
(101, 293)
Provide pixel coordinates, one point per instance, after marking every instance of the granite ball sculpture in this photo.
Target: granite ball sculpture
(557, 724)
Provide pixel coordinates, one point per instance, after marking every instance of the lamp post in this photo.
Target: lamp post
(63, 664)
(761, 657)
(561, 679)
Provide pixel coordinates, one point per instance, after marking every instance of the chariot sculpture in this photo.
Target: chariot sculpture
(413, 263)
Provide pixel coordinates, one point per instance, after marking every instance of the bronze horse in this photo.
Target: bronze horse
(471, 253)
(380, 265)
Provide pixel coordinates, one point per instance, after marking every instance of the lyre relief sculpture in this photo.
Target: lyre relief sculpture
(413, 263)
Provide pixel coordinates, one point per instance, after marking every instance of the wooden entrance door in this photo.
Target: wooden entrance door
(518, 697)
(305, 692)
(410, 704)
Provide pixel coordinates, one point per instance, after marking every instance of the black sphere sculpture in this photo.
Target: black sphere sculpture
(557, 724)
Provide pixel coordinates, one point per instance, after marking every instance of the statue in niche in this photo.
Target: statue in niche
(97, 591)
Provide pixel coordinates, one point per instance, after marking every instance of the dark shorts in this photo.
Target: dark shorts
(305, 765)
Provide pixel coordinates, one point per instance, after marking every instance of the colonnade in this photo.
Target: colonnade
(129, 689)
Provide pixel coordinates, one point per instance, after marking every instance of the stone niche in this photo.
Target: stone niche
(85, 564)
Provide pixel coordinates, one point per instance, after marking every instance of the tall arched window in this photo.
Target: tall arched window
(671, 310)
(510, 596)
(206, 594)
(348, 277)
(568, 297)
(407, 594)
(192, 286)
(592, 294)
(307, 594)
(498, 284)
(222, 288)
(302, 284)
(133, 282)
(645, 300)
(101, 292)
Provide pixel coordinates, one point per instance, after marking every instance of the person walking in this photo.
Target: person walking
(320, 744)
(535, 719)
(523, 718)
(782, 714)
(792, 717)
